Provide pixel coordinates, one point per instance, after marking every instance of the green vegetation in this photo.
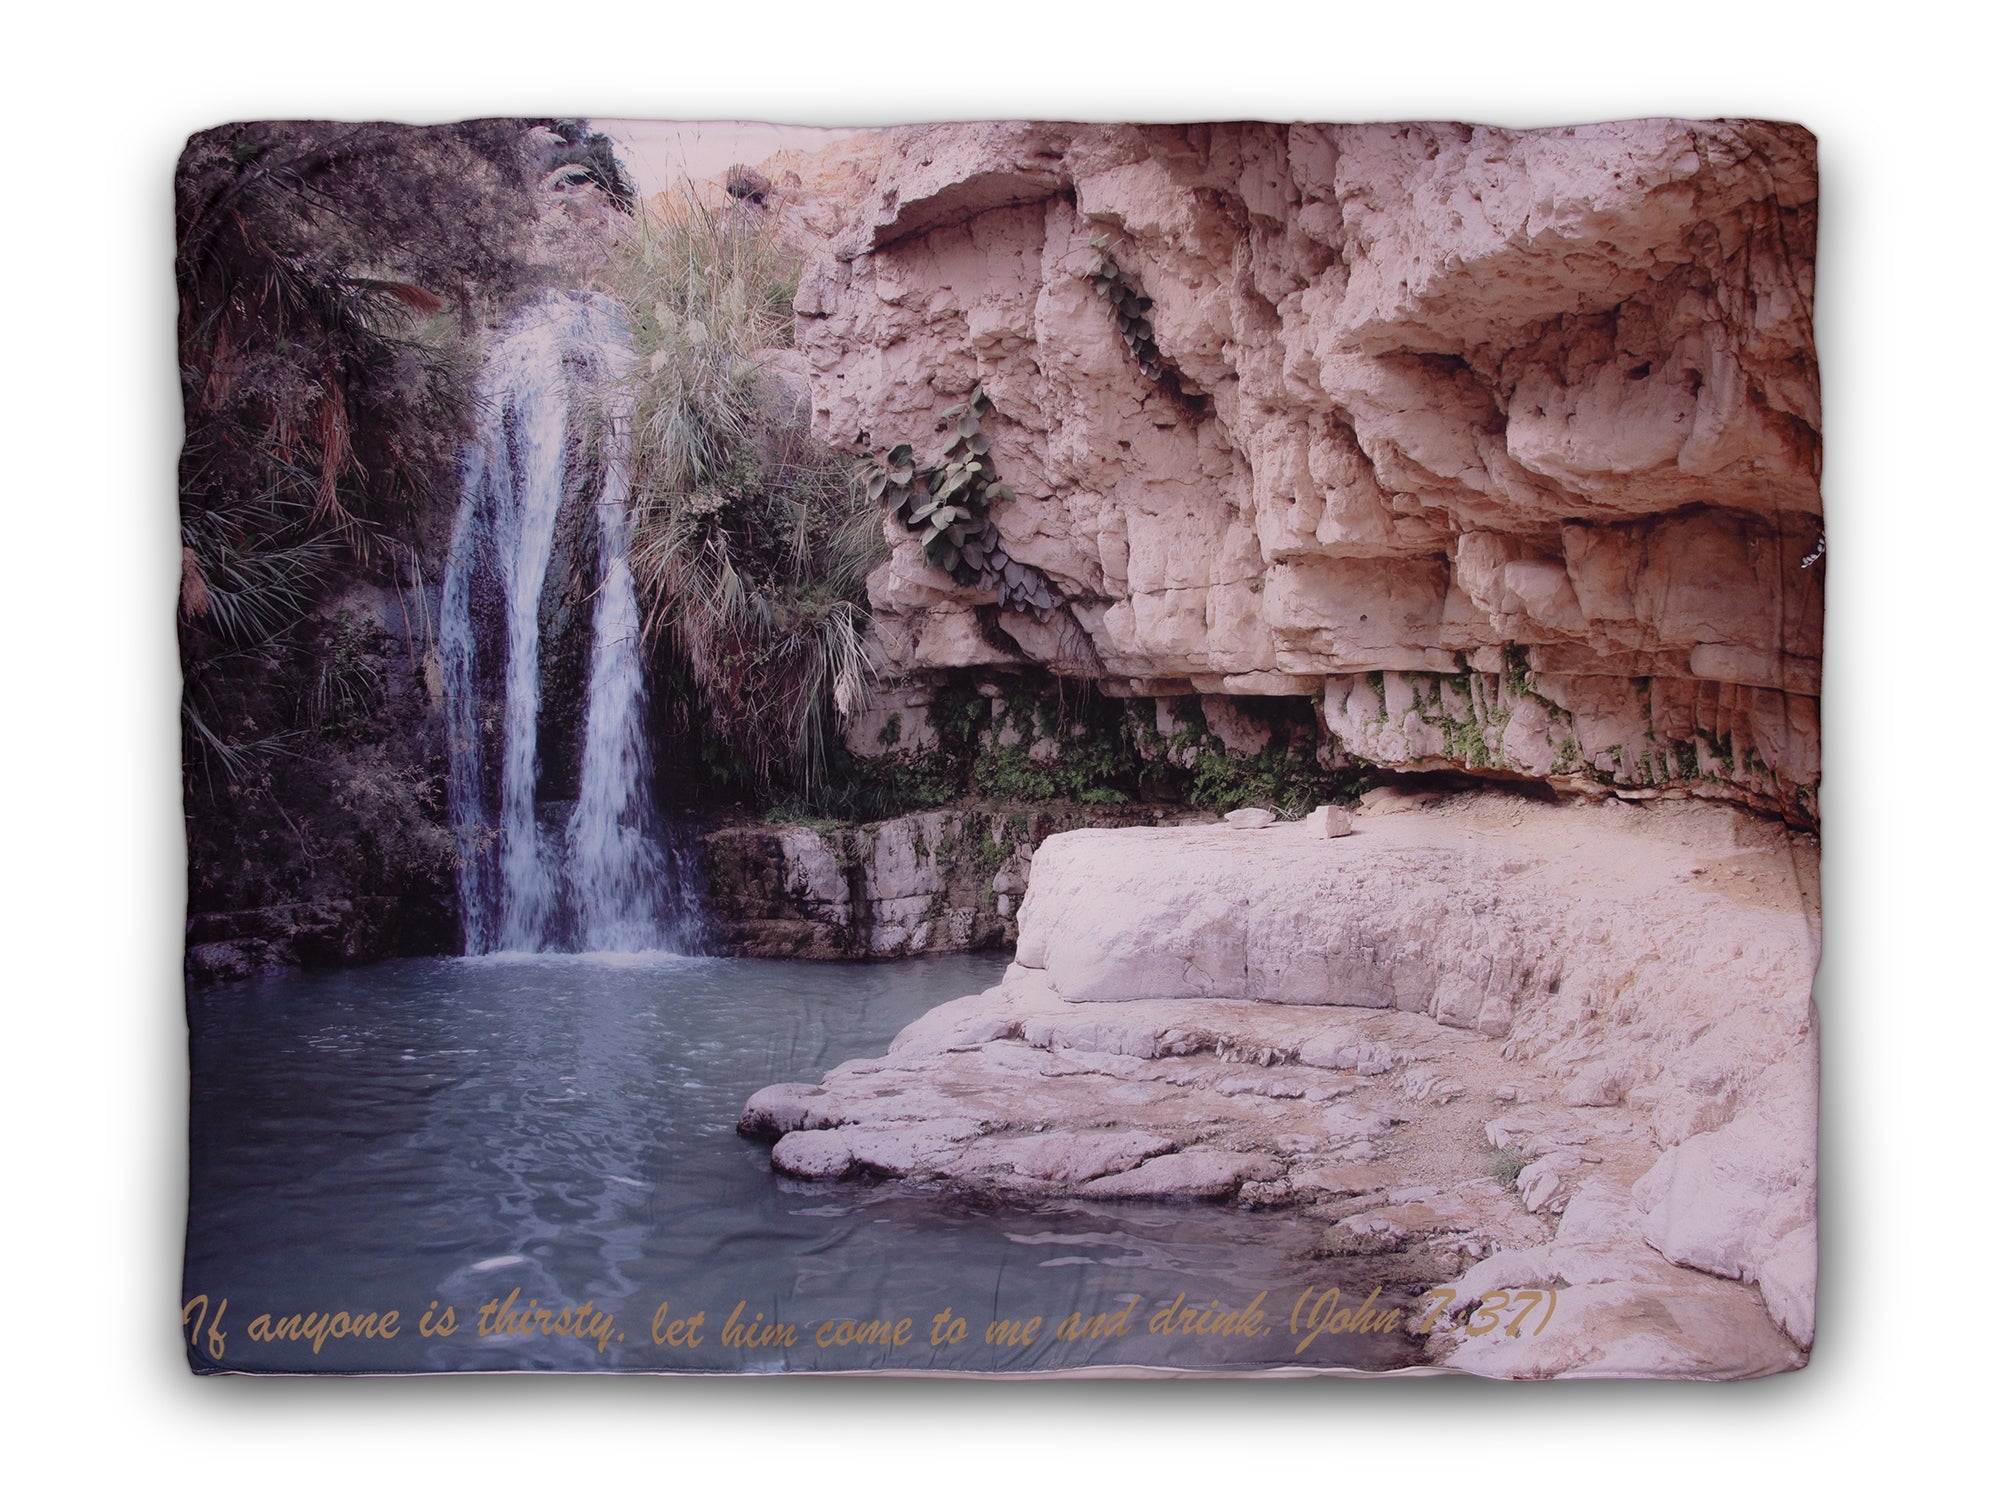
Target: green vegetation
(1129, 309)
(751, 542)
(885, 786)
(1048, 740)
(1380, 683)
(1051, 745)
(1285, 777)
(1037, 742)
(331, 281)
(949, 507)
(1127, 306)
(346, 685)
(1288, 775)
(587, 155)
(1458, 705)
(324, 385)
(1507, 1166)
(1720, 746)
(1472, 712)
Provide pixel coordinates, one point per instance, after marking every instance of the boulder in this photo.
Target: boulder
(1329, 822)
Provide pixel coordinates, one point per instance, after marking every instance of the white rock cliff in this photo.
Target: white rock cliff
(1502, 446)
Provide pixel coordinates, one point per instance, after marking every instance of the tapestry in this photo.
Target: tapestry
(1000, 749)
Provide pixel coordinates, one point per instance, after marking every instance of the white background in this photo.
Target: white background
(95, 1093)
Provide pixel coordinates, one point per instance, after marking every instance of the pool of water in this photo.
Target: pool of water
(512, 1138)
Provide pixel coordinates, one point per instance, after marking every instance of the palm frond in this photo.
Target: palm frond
(250, 589)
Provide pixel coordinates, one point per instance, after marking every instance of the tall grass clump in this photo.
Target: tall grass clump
(751, 542)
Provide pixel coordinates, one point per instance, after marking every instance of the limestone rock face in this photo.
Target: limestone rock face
(948, 881)
(1502, 445)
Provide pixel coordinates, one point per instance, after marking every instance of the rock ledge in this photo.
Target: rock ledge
(1519, 1044)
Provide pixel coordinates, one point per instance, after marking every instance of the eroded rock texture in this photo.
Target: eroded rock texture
(929, 882)
(1502, 446)
(1444, 1037)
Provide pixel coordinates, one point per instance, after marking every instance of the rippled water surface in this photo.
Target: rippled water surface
(562, 1128)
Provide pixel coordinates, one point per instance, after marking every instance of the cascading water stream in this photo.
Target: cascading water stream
(605, 876)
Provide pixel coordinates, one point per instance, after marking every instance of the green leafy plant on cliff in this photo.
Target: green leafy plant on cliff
(1290, 774)
(1128, 307)
(949, 507)
(1052, 743)
(751, 542)
(1285, 777)
(1130, 310)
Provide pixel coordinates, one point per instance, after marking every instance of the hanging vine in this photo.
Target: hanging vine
(1129, 309)
(948, 507)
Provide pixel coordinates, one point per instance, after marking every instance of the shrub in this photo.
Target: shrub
(751, 542)
(579, 151)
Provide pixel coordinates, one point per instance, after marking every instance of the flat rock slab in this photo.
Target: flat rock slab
(1451, 1039)
(1199, 1172)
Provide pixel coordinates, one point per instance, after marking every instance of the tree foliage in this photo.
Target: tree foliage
(589, 155)
(333, 280)
(326, 273)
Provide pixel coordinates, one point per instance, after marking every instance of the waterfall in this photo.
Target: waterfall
(560, 846)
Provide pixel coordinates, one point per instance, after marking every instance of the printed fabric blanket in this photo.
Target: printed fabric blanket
(1001, 749)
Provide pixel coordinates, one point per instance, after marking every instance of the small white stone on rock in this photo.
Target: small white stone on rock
(1329, 822)
(1250, 817)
